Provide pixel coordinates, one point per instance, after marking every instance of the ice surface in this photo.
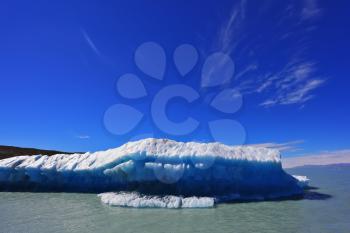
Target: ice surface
(303, 181)
(157, 167)
(137, 200)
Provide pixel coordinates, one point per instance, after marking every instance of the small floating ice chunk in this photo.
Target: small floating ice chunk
(136, 200)
(198, 202)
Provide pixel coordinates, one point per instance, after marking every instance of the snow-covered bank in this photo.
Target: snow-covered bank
(157, 167)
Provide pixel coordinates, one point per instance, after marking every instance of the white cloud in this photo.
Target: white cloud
(310, 9)
(291, 83)
(298, 95)
(291, 146)
(250, 67)
(91, 43)
(83, 136)
(230, 32)
(323, 158)
(267, 82)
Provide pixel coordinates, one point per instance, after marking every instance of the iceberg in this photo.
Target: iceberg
(157, 168)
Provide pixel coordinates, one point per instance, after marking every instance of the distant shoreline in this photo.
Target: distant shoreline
(13, 151)
(327, 158)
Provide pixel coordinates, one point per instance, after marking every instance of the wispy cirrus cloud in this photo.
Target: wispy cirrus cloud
(247, 69)
(83, 136)
(291, 146)
(228, 33)
(292, 83)
(310, 9)
(90, 43)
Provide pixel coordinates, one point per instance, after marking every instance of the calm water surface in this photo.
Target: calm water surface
(64, 212)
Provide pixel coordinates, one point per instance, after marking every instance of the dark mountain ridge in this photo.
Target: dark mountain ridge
(12, 151)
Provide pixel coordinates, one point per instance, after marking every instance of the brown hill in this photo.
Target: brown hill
(11, 151)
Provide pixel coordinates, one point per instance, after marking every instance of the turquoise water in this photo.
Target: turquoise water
(70, 212)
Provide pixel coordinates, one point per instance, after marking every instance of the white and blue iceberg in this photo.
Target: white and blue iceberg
(159, 169)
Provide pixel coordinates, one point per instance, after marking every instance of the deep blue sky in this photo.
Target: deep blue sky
(60, 61)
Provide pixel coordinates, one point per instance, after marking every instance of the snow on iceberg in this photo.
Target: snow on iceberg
(303, 181)
(137, 200)
(157, 167)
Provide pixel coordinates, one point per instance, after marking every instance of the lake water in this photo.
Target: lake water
(70, 212)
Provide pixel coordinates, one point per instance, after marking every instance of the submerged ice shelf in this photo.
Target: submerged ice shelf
(157, 167)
